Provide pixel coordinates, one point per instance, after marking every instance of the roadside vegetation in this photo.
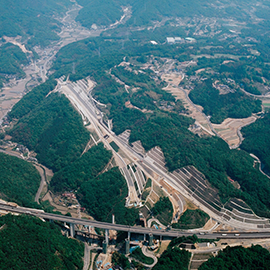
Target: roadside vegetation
(138, 255)
(120, 260)
(29, 243)
(163, 210)
(19, 181)
(191, 219)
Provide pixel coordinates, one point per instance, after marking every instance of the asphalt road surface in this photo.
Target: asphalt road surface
(133, 229)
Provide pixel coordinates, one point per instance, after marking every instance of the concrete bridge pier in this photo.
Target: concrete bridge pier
(107, 236)
(72, 230)
(127, 246)
(129, 233)
(104, 247)
(150, 239)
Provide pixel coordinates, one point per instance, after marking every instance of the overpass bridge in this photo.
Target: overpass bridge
(133, 229)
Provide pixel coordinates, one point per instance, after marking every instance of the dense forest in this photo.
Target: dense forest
(173, 259)
(31, 100)
(257, 140)
(29, 243)
(53, 129)
(102, 13)
(32, 19)
(106, 195)
(19, 180)
(253, 258)
(86, 167)
(220, 107)
(11, 59)
(146, 11)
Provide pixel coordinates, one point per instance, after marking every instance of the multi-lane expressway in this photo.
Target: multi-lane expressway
(132, 229)
(87, 108)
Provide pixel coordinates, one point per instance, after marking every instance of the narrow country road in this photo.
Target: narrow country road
(86, 258)
(147, 253)
(42, 182)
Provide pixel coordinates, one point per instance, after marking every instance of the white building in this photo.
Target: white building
(170, 40)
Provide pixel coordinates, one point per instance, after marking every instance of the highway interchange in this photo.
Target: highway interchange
(83, 102)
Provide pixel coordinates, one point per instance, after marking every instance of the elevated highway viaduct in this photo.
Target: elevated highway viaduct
(132, 229)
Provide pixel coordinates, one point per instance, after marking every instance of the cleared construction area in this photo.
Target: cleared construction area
(229, 130)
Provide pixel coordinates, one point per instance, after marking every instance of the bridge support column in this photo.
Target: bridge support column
(129, 233)
(144, 237)
(104, 246)
(127, 246)
(150, 239)
(72, 230)
(107, 236)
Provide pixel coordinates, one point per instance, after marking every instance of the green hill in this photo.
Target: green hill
(34, 19)
(29, 243)
(253, 258)
(54, 130)
(19, 180)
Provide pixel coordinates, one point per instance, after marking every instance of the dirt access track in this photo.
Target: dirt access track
(229, 130)
(180, 93)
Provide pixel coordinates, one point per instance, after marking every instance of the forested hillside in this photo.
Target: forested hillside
(19, 180)
(146, 11)
(29, 243)
(86, 167)
(253, 258)
(106, 195)
(11, 59)
(219, 51)
(220, 107)
(28, 18)
(53, 129)
(31, 100)
(257, 140)
(174, 259)
(102, 12)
